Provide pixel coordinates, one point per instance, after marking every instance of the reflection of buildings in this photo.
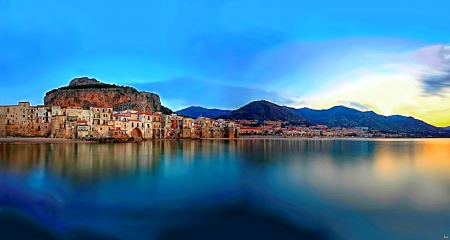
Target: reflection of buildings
(81, 162)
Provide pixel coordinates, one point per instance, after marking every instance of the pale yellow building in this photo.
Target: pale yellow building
(158, 132)
(102, 121)
(18, 119)
(188, 128)
(146, 120)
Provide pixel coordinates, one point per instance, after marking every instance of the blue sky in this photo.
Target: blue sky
(226, 53)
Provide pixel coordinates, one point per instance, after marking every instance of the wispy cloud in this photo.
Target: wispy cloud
(435, 74)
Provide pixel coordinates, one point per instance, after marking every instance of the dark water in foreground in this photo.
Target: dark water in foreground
(244, 189)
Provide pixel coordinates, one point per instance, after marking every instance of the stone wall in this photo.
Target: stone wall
(30, 130)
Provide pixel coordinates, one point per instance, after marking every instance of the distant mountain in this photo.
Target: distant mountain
(264, 110)
(338, 116)
(195, 112)
(349, 117)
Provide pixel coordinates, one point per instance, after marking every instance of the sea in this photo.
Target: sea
(339, 189)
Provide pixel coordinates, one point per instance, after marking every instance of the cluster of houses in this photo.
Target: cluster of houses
(280, 128)
(102, 122)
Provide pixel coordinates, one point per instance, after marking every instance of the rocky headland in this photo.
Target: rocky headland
(86, 92)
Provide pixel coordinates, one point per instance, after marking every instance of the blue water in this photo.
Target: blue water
(220, 189)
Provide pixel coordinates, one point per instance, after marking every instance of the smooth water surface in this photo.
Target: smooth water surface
(228, 189)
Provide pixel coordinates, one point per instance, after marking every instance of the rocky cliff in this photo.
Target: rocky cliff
(86, 92)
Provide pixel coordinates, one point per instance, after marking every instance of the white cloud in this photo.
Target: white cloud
(412, 84)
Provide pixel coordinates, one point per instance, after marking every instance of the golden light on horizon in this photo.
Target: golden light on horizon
(388, 95)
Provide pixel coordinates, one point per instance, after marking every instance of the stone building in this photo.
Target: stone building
(203, 127)
(76, 122)
(146, 120)
(166, 125)
(158, 132)
(231, 131)
(18, 119)
(58, 126)
(102, 121)
(2, 122)
(82, 129)
(41, 124)
(187, 128)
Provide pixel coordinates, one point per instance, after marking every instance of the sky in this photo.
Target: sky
(389, 56)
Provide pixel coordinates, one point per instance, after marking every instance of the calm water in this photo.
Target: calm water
(238, 189)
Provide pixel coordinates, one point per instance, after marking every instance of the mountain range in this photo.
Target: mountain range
(349, 117)
(196, 111)
(336, 116)
(265, 110)
(257, 110)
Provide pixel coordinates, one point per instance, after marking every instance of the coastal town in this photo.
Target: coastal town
(68, 122)
(24, 120)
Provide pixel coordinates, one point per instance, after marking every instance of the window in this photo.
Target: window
(132, 124)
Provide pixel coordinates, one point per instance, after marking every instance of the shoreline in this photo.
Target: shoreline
(23, 140)
(39, 140)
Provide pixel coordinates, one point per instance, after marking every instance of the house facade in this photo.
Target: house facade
(102, 122)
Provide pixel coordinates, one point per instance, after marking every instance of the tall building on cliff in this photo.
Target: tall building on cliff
(2, 122)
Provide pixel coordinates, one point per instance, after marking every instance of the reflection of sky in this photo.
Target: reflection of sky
(371, 189)
(315, 54)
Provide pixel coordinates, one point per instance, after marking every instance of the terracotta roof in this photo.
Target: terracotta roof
(145, 113)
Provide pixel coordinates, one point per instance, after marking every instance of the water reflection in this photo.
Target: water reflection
(354, 189)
